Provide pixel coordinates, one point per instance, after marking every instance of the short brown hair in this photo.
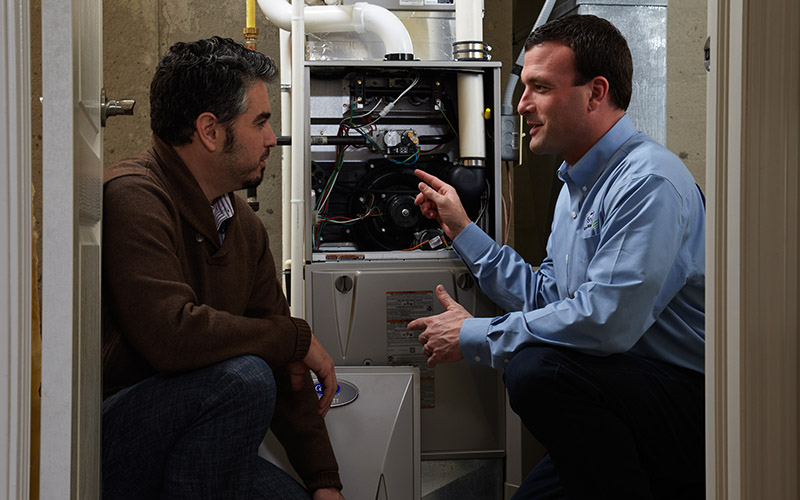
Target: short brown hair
(599, 48)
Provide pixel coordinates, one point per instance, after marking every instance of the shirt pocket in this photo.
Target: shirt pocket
(583, 252)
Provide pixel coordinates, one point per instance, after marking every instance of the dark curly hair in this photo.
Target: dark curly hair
(599, 48)
(210, 75)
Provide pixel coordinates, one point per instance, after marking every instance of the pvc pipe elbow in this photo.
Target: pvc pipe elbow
(278, 12)
(386, 25)
(360, 17)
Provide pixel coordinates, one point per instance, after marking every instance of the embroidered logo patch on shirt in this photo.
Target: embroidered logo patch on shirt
(591, 222)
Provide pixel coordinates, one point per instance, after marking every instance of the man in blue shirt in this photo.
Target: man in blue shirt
(603, 344)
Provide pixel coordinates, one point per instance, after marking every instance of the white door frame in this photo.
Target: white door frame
(752, 345)
(15, 250)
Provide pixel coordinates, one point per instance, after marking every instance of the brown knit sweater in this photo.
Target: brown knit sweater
(174, 299)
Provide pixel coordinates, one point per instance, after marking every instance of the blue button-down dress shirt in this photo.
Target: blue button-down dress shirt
(625, 265)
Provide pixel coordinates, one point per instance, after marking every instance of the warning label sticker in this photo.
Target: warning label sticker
(403, 347)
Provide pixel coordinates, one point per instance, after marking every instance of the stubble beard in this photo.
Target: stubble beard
(231, 149)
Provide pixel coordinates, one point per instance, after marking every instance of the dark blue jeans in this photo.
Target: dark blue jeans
(194, 435)
(616, 427)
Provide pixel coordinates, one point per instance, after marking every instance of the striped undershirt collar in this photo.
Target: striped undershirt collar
(223, 210)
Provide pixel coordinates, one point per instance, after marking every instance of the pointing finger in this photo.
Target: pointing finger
(444, 297)
(431, 194)
(433, 181)
(424, 176)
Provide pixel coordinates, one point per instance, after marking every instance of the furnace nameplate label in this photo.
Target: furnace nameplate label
(403, 347)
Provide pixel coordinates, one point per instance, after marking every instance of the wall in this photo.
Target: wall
(686, 84)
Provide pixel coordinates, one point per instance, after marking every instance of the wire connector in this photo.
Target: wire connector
(387, 109)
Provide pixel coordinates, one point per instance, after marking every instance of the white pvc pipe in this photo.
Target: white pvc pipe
(469, 20)
(298, 159)
(471, 133)
(469, 28)
(360, 17)
(286, 155)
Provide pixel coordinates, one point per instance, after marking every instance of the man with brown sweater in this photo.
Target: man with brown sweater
(200, 355)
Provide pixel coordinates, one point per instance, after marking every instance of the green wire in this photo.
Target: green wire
(439, 107)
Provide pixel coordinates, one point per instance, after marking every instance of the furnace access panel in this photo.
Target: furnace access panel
(370, 127)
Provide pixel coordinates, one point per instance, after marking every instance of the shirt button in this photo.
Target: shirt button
(198, 237)
(573, 214)
(506, 361)
(477, 359)
(584, 189)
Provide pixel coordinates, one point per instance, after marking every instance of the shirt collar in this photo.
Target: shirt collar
(223, 210)
(588, 169)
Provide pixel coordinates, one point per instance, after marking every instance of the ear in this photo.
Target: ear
(208, 132)
(599, 87)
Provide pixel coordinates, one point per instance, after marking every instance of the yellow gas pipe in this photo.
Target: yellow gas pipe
(250, 36)
(250, 31)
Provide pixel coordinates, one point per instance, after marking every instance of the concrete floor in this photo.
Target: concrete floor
(476, 479)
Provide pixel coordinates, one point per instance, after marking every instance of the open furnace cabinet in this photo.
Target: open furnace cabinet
(372, 260)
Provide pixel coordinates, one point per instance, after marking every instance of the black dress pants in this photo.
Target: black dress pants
(615, 427)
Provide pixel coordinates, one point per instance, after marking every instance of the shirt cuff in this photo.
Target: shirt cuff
(473, 342)
(472, 243)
